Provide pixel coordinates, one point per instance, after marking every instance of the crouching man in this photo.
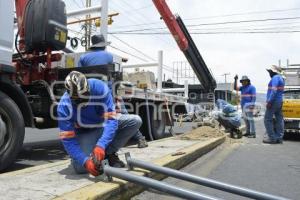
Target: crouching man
(89, 128)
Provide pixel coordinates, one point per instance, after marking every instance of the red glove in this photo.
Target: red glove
(91, 168)
(98, 153)
(269, 105)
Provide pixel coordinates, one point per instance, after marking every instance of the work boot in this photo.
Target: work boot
(269, 141)
(279, 141)
(114, 161)
(142, 143)
(246, 134)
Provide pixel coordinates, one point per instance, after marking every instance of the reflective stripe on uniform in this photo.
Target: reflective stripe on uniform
(248, 95)
(66, 134)
(110, 115)
(276, 88)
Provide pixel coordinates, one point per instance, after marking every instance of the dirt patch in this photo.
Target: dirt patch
(202, 133)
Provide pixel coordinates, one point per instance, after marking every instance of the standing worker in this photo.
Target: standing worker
(90, 129)
(274, 106)
(99, 56)
(248, 98)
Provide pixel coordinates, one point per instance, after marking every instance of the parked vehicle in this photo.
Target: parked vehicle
(31, 80)
(291, 101)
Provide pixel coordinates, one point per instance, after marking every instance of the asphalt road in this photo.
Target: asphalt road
(249, 163)
(43, 146)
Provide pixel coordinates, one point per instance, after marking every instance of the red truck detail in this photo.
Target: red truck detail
(172, 24)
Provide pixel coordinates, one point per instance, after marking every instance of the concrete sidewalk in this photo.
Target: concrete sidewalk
(57, 180)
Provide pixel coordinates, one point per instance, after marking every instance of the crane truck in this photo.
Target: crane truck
(28, 89)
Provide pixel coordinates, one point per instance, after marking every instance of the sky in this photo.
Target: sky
(223, 43)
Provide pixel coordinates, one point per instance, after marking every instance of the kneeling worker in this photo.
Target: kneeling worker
(89, 128)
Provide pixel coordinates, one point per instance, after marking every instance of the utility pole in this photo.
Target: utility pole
(104, 18)
(225, 75)
(88, 26)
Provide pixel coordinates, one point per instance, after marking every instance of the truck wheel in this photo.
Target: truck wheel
(157, 126)
(12, 130)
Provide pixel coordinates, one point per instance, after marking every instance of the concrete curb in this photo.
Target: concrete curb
(120, 189)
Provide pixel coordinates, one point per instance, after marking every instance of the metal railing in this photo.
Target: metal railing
(110, 172)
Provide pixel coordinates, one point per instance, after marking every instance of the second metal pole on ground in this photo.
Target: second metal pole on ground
(158, 185)
(201, 181)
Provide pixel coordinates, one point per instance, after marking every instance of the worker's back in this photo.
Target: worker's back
(7, 31)
(93, 58)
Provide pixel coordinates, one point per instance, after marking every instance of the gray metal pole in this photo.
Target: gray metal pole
(202, 181)
(158, 185)
(148, 115)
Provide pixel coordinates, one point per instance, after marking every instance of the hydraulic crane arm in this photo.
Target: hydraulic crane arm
(186, 44)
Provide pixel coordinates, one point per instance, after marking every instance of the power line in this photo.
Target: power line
(139, 9)
(130, 46)
(245, 13)
(207, 33)
(128, 53)
(216, 16)
(216, 23)
(246, 29)
(142, 16)
(245, 21)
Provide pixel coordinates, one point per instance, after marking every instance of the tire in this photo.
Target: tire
(157, 126)
(12, 135)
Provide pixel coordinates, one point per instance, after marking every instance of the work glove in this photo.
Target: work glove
(91, 167)
(98, 153)
(97, 156)
(269, 105)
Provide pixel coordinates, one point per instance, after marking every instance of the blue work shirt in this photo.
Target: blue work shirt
(92, 58)
(275, 89)
(248, 95)
(99, 112)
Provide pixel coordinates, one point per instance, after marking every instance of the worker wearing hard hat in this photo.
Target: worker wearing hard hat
(90, 129)
(99, 56)
(248, 98)
(274, 106)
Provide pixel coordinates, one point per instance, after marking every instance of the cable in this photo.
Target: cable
(217, 23)
(130, 7)
(206, 33)
(246, 13)
(128, 53)
(139, 9)
(133, 48)
(216, 16)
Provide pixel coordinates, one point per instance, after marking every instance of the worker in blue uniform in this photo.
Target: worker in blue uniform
(248, 98)
(274, 106)
(90, 129)
(99, 56)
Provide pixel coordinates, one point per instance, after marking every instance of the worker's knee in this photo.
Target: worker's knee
(133, 121)
(138, 121)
